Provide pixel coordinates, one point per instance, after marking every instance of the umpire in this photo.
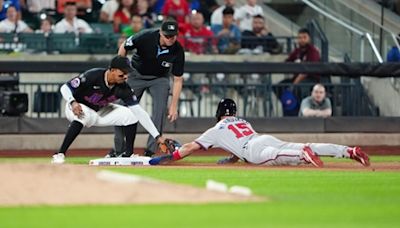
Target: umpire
(158, 54)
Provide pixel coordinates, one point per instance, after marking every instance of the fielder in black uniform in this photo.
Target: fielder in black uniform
(157, 55)
(89, 103)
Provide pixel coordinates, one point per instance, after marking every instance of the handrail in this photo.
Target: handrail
(351, 28)
(376, 52)
(324, 40)
(357, 31)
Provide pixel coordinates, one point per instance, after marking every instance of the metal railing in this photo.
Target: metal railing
(255, 94)
(107, 43)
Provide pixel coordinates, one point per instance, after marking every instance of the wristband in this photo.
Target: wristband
(176, 155)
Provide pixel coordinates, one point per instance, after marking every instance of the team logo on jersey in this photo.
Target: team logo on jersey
(166, 64)
(129, 41)
(75, 82)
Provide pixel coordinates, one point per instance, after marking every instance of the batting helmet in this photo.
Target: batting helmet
(226, 107)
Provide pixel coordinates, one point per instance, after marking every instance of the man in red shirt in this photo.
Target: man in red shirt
(290, 96)
(305, 52)
(199, 38)
(178, 9)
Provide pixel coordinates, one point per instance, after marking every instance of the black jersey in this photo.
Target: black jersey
(151, 59)
(90, 89)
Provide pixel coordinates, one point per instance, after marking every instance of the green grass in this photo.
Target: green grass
(296, 198)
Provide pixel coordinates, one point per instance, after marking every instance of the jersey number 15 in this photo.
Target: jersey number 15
(240, 129)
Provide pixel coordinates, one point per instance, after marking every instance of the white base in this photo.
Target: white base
(132, 161)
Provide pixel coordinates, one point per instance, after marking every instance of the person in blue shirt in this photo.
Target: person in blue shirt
(4, 4)
(228, 33)
(394, 53)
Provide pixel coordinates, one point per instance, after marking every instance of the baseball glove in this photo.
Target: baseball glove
(169, 146)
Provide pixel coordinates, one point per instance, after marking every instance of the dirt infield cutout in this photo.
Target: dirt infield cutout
(45, 184)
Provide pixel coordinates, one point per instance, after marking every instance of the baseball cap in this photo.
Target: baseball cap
(169, 27)
(121, 63)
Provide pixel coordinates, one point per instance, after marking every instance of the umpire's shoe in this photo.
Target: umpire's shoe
(148, 153)
(125, 155)
(111, 154)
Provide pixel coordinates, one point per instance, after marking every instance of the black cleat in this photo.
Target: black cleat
(148, 153)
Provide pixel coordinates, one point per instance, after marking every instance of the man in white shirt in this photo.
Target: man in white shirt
(108, 10)
(11, 24)
(246, 13)
(70, 23)
(216, 16)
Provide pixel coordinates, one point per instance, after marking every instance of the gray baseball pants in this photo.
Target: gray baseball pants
(159, 91)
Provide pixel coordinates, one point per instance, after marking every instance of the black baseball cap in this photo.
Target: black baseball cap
(169, 28)
(121, 63)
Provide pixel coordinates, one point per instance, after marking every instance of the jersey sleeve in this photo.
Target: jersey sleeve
(207, 139)
(131, 42)
(78, 82)
(178, 67)
(127, 94)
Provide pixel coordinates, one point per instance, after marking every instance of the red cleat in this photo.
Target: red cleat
(358, 155)
(311, 157)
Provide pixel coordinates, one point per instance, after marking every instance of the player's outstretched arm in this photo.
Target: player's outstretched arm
(144, 120)
(178, 154)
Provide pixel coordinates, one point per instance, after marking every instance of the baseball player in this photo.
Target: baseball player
(238, 137)
(157, 55)
(89, 100)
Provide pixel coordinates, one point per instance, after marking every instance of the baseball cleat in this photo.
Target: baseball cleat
(148, 153)
(311, 157)
(358, 155)
(58, 158)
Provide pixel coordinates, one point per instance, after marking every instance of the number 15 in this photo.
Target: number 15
(240, 130)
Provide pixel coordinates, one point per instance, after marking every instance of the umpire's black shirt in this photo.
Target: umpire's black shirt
(151, 59)
(90, 89)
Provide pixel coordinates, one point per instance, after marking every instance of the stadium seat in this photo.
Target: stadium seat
(34, 41)
(63, 43)
(104, 28)
(94, 43)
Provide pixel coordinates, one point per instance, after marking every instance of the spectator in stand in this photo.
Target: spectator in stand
(4, 4)
(45, 26)
(135, 26)
(144, 11)
(156, 6)
(81, 5)
(216, 16)
(178, 9)
(228, 33)
(12, 24)
(70, 23)
(206, 8)
(316, 105)
(394, 54)
(199, 38)
(123, 15)
(246, 13)
(305, 52)
(108, 10)
(259, 36)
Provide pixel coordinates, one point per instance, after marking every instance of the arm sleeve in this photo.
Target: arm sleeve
(177, 68)
(313, 56)
(67, 93)
(207, 139)
(144, 120)
(131, 42)
(304, 104)
(292, 57)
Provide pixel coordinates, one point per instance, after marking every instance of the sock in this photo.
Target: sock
(130, 135)
(73, 131)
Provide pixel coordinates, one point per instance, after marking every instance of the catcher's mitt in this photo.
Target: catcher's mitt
(169, 146)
